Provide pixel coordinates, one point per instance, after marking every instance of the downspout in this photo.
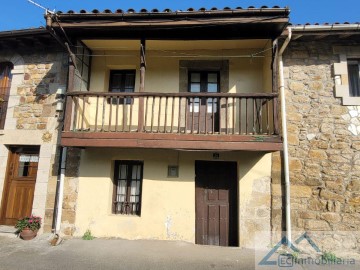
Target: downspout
(285, 138)
(60, 190)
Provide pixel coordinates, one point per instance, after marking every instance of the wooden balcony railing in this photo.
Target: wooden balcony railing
(172, 113)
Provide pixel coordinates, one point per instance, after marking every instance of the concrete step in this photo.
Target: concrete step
(8, 231)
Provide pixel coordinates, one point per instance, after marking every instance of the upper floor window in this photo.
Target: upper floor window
(354, 77)
(5, 82)
(122, 81)
(82, 73)
(346, 74)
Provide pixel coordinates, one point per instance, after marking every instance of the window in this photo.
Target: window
(204, 82)
(5, 81)
(121, 81)
(127, 187)
(27, 165)
(83, 59)
(346, 74)
(354, 77)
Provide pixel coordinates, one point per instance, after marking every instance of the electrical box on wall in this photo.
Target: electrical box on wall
(173, 171)
(60, 95)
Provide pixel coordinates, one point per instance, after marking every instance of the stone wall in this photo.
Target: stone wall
(32, 118)
(70, 193)
(323, 150)
(44, 74)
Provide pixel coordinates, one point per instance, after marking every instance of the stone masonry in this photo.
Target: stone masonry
(32, 118)
(324, 155)
(38, 92)
(70, 194)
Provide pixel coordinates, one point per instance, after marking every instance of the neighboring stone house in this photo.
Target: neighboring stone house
(33, 67)
(321, 68)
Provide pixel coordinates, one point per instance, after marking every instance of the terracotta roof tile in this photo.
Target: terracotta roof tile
(167, 10)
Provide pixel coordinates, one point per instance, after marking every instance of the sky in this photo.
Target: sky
(20, 14)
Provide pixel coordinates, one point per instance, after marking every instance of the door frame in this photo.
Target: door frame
(12, 150)
(236, 210)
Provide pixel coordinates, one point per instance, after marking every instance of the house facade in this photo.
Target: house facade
(172, 126)
(173, 117)
(33, 69)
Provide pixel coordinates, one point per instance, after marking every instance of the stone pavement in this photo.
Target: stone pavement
(124, 254)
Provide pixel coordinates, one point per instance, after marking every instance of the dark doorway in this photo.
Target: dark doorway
(216, 203)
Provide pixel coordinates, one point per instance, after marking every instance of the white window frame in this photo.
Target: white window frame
(341, 76)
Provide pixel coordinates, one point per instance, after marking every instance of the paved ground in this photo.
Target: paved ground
(125, 254)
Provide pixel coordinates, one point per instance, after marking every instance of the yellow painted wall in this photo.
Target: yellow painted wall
(267, 72)
(168, 204)
(246, 75)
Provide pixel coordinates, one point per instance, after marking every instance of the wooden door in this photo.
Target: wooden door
(5, 81)
(203, 111)
(18, 193)
(216, 203)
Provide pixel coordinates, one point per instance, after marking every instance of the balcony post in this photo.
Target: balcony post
(69, 103)
(142, 85)
(275, 84)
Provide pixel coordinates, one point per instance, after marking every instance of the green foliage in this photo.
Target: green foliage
(329, 257)
(87, 235)
(295, 255)
(32, 222)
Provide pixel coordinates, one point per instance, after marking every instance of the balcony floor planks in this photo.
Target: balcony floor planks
(173, 141)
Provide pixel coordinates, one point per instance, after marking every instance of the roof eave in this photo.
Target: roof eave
(177, 14)
(23, 32)
(328, 29)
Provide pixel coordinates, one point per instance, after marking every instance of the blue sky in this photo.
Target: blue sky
(19, 14)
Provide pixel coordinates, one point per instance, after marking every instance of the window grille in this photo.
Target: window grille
(128, 184)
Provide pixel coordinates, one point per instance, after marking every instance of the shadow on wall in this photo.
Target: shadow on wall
(99, 163)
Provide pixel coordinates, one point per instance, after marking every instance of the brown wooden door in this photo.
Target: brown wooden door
(216, 203)
(19, 185)
(203, 111)
(5, 81)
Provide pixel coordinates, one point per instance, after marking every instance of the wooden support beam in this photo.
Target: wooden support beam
(275, 88)
(142, 84)
(171, 141)
(69, 103)
(142, 65)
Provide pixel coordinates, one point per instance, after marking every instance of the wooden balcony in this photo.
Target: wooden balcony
(190, 121)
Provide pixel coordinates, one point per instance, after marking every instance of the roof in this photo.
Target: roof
(23, 32)
(200, 24)
(168, 10)
(26, 38)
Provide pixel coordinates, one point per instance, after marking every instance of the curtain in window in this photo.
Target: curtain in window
(354, 80)
(128, 188)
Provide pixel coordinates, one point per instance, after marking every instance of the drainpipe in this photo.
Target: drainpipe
(60, 190)
(285, 139)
